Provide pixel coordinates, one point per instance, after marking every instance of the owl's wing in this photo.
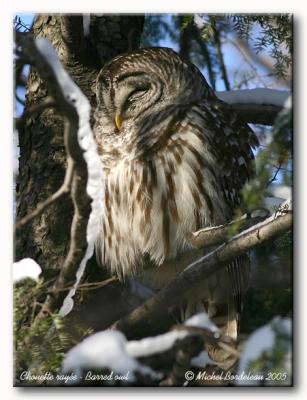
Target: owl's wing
(231, 142)
(234, 152)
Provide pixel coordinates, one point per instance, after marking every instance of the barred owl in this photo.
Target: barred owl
(174, 161)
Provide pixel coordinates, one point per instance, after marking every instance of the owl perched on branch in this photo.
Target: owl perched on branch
(175, 161)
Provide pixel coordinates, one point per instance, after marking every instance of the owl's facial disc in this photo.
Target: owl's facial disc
(132, 96)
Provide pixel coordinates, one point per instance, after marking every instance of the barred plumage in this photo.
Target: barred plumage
(175, 161)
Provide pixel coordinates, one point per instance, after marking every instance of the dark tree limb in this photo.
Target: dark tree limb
(220, 57)
(143, 317)
(207, 57)
(185, 38)
(263, 114)
(258, 106)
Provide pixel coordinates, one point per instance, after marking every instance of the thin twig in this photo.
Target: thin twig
(274, 177)
(247, 59)
(65, 188)
(261, 60)
(86, 286)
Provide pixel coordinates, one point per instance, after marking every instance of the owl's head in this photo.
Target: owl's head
(146, 82)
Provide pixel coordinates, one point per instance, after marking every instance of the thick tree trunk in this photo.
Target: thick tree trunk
(42, 159)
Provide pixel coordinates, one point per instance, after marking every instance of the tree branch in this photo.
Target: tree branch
(256, 114)
(247, 60)
(214, 235)
(142, 318)
(65, 94)
(257, 106)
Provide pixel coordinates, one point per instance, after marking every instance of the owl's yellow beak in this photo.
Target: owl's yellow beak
(118, 121)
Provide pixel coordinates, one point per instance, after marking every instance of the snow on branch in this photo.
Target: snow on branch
(105, 351)
(110, 354)
(86, 185)
(201, 269)
(214, 235)
(260, 96)
(26, 268)
(259, 106)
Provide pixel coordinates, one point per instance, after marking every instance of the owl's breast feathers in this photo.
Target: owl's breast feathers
(167, 178)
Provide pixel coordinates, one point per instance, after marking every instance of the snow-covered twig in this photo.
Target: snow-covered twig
(104, 351)
(111, 351)
(214, 235)
(201, 269)
(86, 186)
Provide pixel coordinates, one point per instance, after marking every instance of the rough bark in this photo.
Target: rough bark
(42, 161)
